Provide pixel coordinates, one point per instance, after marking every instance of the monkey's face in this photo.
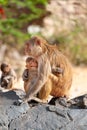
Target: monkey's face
(27, 65)
(31, 64)
(33, 47)
(7, 69)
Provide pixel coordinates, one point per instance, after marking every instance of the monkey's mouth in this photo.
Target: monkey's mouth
(32, 66)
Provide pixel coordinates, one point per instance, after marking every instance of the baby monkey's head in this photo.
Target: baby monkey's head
(5, 67)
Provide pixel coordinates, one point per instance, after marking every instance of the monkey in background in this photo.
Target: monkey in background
(8, 76)
(48, 56)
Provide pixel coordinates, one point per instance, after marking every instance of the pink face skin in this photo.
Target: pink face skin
(31, 64)
(33, 48)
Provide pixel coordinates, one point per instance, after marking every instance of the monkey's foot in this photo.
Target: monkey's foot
(49, 98)
(34, 99)
(63, 101)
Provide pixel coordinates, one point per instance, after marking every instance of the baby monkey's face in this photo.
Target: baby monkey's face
(31, 64)
(7, 69)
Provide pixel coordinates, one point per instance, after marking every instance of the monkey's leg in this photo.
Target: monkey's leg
(33, 98)
(38, 100)
(25, 100)
(46, 90)
(26, 87)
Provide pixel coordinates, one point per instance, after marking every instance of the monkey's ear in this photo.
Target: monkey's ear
(38, 42)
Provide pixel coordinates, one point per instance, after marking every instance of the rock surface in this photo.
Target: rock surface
(8, 111)
(41, 116)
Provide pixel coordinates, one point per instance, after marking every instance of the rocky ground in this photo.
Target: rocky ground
(57, 115)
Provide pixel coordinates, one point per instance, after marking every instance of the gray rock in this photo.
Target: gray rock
(39, 116)
(46, 117)
(8, 111)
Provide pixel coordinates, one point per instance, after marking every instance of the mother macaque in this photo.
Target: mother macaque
(48, 57)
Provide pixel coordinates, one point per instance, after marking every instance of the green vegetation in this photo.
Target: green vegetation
(18, 15)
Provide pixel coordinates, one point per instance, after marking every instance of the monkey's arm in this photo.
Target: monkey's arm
(44, 70)
(25, 75)
(53, 77)
(11, 78)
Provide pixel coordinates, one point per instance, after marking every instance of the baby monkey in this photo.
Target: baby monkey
(30, 73)
(8, 76)
(29, 76)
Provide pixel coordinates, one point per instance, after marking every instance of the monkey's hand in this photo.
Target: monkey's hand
(25, 75)
(57, 70)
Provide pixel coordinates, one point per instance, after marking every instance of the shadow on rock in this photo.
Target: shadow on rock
(76, 103)
(9, 95)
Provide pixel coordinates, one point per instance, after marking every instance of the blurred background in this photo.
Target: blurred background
(61, 22)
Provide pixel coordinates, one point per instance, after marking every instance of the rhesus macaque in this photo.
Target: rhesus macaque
(48, 57)
(8, 76)
(30, 73)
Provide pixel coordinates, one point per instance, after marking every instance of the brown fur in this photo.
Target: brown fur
(31, 78)
(47, 83)
(8, 78)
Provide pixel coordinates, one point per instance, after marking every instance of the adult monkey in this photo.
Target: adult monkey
(48, 57)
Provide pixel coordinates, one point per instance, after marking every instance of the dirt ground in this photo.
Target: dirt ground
(79, 85)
